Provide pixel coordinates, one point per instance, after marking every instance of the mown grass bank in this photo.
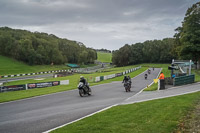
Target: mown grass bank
(73, 81)
(11, 66)
(156, 116)
(104, 57)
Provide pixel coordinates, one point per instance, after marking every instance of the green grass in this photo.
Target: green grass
(73, 80)
(104, 57)
(197, 75)
(153, 87)
(156, 116)
(11, 66)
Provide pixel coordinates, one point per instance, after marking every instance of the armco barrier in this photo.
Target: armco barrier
(182, 80)
(28, 74)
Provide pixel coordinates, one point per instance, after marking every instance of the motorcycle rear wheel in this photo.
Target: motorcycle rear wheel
(90, 92)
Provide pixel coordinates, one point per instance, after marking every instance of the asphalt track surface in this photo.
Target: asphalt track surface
(25, 77)
(39, 114)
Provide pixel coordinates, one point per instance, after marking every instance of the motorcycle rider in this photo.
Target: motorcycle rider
(83, 80)
(149, 71)
(125, 79)
(129, 80)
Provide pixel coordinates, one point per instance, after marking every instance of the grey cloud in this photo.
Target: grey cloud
(97, 19)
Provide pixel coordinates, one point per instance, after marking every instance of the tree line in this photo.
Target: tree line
(103, 50)
(155, 51)
(184, 45)
(36, 48)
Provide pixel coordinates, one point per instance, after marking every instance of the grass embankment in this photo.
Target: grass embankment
(73, 81)
(104, 57)
(11, 66)
(156, 116)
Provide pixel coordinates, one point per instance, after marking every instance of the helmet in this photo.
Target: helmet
(81, 77)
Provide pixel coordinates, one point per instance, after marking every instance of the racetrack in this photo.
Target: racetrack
(39, 114)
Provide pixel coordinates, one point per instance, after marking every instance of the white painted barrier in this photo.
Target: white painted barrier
(64, 82)
(97, 79)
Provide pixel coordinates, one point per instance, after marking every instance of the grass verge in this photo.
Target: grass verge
(156, 116)
(153, 87)
(197, 75)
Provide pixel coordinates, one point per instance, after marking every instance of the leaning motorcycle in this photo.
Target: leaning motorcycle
(84, 90)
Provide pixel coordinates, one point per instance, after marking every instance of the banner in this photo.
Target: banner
(12, 88)
(42, 85)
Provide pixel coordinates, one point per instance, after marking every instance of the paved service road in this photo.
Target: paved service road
(25, 77)
(43, 113)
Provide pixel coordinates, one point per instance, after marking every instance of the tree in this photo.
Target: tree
(188, 36)
(41, 48)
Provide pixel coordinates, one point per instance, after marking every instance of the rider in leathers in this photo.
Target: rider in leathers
(83, 80)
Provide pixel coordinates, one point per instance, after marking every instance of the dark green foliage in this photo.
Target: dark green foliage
(103, 50)
(156, 51)
(188, 36)
(41, 48)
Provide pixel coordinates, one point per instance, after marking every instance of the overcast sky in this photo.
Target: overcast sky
(97, 23)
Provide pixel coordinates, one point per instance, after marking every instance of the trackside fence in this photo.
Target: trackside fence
(101, 78)
(182, 80)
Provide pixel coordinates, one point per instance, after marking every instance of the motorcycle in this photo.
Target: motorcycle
(145, 76)
(84, 90)
(149, 71)
(127, 86)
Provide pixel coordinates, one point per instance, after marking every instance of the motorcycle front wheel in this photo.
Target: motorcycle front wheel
(81, 92)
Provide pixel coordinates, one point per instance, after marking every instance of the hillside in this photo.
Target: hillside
(11, 66)
(36, 48)
(104, 57)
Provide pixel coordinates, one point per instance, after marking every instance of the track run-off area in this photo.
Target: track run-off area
(43, 113)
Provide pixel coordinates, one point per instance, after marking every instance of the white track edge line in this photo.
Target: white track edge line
(86, 115)
(161, 97)
(143, 88)
(81, 118)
